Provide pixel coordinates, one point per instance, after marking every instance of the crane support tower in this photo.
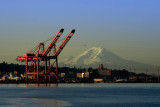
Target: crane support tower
(38, 67)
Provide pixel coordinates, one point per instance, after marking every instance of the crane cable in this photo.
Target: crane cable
(51, 39)
(32, 50)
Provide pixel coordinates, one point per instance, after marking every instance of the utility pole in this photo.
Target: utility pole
(134, 70)
(158, 74)
(146, 74)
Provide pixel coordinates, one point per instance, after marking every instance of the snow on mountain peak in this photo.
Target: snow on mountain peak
(88, 57)
(93, 51)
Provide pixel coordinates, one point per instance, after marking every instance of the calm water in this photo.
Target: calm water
(96, 95)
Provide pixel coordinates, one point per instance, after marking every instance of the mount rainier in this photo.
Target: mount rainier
(97, 55)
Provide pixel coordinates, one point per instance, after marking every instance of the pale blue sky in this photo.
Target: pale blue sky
(128, 28)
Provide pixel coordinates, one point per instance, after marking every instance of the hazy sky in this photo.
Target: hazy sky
(128, 28)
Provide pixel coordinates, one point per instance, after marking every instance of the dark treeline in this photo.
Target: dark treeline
(73, 74)
(7, 68)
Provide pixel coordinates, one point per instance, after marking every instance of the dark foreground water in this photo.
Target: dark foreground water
(93, 95)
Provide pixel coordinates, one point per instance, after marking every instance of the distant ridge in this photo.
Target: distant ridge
(97, 55)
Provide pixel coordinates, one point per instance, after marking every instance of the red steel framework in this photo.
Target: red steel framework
(39, 58)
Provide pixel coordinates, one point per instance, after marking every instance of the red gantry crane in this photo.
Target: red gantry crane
(39, 59)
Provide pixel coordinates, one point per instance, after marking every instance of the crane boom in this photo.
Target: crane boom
(64, 42)
(37, 60)
(52, 43)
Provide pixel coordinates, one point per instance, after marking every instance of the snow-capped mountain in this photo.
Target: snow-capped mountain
(97, 55)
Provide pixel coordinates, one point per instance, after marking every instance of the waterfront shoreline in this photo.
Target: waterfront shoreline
(22, 82)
